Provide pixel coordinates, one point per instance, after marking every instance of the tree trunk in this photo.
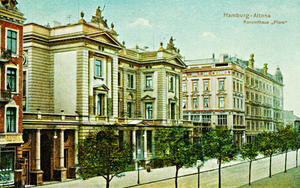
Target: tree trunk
(107, 182)
(176, 175)
(270, 167)
(219, 173)
(296, 158)
(250, 172)
(285, 161)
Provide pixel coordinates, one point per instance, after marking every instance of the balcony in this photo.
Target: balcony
(5, 96)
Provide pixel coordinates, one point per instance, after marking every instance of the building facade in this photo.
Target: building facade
(79, 78)
(11, 27)
(213, 95)
(230, 92)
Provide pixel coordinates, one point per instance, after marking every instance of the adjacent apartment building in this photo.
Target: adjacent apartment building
(230, 92)
(78, 78)
(11, 37)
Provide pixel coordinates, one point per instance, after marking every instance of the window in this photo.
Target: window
(206, 118)
(221, 102)
(12, 41)
(233, 84)
(222, 119)
(24, 90)
(173, 105)
(221, 84)
(206, 86)
(149, 141)
(11, 77)
(100, 105)
(148, 81)
(119, 79)
(11, 120)
(129, 109)
(148, 107)
(171, 83)
(195, 103)
(7, 161)
(206, 105)
(234, 103)
(98, 68)
(238, 103)
(130, 81)
(183, 86)
(195, 83)
(184, 103)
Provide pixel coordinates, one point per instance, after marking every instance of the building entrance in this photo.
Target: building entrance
(46, 146)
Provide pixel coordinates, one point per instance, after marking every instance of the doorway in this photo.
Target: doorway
(46, 147)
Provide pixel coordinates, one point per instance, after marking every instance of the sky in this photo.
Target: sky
(200, 28)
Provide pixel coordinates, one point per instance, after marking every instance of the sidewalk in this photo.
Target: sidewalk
(239, 167)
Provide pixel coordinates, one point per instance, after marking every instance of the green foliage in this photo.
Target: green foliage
(268, 143)
(174, 147)
(219, 144)
(285, 137)
(101, 155)
(296, 139)
(249, 151)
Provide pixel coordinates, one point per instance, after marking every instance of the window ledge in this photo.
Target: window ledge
(98, 78)
(148, 89)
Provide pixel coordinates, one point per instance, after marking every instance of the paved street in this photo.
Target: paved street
(234, 176)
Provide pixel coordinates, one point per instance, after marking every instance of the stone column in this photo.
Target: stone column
(134, 147)
(38, 150)
(145, 145)
(114, 89)
(74, 170)
(62, 147)
(36, 176)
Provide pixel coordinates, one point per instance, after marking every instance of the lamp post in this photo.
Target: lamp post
(138, 168)
(198, 167)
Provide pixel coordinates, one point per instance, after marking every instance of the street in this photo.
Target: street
(232, 176)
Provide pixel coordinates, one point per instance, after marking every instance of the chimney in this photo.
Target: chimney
(265, 68)
(213, 55)
(251, 61)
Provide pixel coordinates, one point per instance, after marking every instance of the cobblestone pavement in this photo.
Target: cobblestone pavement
(234, 174)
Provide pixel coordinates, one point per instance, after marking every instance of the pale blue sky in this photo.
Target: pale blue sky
(199, 28)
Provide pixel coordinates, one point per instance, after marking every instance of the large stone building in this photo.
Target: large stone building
(213, 95)
(231, 92)
(11, 27)
(78, 78)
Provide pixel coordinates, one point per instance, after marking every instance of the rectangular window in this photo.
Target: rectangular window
(129, 109)
(184, 103)
(234, 103)
(183, 86)
(195, 87)
(221, 102)
(173, 114)
(11, 120)
(12, 41)
(148, 110)
(7, 165)
(238, 103)
(171, 83)
(205, 101)
(24, 90)
(130, 81)
(195, 103)
(233, 84)
(148, 81)
(98, 68)
(206, 118)
(149, 141)
(119, 79)
(100, 105)
(221, 84)
(206, 85)
(11, 77)
(222, 119)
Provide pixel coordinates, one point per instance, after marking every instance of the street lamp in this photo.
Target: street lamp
(198, 167)
(138, 168)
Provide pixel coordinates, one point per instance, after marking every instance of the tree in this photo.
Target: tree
(219, 144)
(285, 135)
(249, 151)
(296, 143)
(100, 154)
(173, 146)
(267, 143)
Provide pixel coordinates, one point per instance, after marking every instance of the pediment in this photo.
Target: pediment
(177, 61)
(101, 87)
(148, 97)
(106, 38)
